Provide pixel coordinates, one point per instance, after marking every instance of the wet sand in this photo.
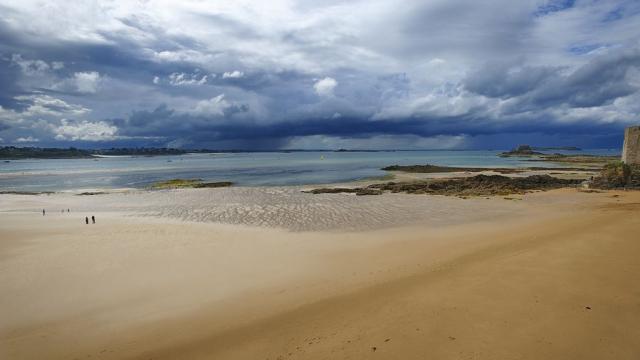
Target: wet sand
(266, 273)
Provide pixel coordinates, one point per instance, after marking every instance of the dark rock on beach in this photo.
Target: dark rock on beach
(430, 169)
(89, 193)
(357, 191)
(332, 190)
(188, 183)
(11, 192)
(213, 184)
(479, 185)
(617, 175)
(368, 191)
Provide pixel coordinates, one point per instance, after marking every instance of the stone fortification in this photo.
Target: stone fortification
(631, 147)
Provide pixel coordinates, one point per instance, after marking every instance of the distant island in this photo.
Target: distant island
(12, 152)
(521, 150)
(567, 148)
(527, 150)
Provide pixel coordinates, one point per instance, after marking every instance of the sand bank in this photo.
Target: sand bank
(194, 274)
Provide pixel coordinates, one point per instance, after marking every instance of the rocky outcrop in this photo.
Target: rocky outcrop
(617, 175)
(521, 150)
(429, 169)
(357, 191)
(481, 185)
(471, 186)
(188, 183)
(213, 184)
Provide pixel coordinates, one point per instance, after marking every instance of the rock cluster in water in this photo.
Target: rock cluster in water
(521, 150)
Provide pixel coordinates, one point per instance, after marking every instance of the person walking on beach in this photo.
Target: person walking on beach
(42, 212)
(93, 219)
(86, 220)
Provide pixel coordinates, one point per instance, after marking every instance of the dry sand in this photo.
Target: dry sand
(270, 273)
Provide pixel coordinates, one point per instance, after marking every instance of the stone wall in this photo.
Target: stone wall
(631, 147)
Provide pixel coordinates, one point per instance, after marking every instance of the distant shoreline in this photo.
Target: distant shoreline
(20, 153)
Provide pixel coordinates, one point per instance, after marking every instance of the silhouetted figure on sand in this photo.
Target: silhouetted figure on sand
(93, 219)
(86, 220)
(42, 212)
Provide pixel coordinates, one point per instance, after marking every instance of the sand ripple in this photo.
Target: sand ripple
(289, 208)
(286, 207)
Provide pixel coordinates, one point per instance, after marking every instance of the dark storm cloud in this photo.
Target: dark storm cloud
(167, 123)
(596, 83)
(8, 79)
(501, 80)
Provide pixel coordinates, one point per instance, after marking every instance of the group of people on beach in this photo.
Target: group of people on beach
(86, 218)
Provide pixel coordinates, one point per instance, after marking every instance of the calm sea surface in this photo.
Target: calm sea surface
(248, 169)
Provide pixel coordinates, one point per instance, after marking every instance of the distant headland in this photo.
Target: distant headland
(14, 153)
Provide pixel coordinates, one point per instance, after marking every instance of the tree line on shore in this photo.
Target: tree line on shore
(13, 152)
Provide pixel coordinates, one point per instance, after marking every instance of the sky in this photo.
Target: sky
(311, 74)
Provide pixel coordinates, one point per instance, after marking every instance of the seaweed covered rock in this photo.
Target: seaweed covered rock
(188, 183)
(428, 168)
(617, 175)
(339, 190)
(480, 185)
(476, 185)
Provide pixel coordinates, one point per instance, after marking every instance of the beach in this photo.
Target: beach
(319, 180)
(275, 273)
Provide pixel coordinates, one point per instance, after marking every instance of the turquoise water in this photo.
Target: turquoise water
(245, 169)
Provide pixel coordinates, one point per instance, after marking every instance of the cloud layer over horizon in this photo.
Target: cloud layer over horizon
(314, 74)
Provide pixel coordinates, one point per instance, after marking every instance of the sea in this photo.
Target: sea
(243, 169)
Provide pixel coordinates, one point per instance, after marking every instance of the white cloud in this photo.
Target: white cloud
(179, 79)
(84, 82)
(325, 87)
(30, 67)
(28, 139)
(214, 106)
(41, 105)
(85, 130)
(187, 55)
(236, 74)
(87, 82)
(35, 67)
(156, 80)
(9, 116)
